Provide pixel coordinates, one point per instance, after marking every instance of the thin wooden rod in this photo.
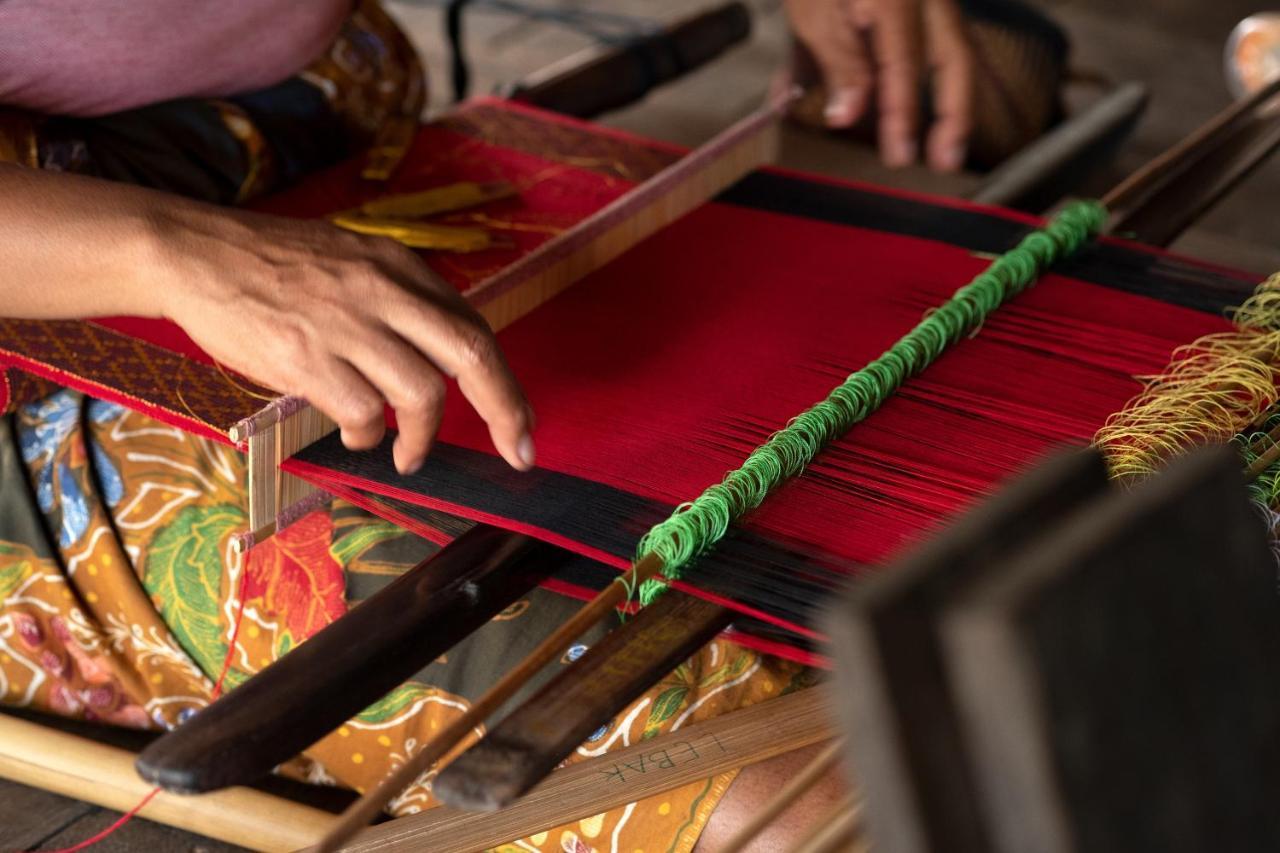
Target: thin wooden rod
(786, 798)
(78, 767)
(1268, 457)
(1199, 140)
(1261, 443)
(644, 769)
(361, 812)
(1175, 204)
(836, 830)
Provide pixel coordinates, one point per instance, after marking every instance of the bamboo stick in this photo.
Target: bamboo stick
(77, 767)
(641, 770)
(1202, 138)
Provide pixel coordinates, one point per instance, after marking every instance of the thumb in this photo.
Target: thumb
(846, 73)
(827, 34)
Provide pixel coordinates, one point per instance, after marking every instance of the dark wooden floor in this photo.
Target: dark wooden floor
(1173, 45)
(37, 820)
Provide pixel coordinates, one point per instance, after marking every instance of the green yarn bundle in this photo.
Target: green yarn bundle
(697, 525)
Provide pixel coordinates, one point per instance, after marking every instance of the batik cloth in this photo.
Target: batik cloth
(120, 590)
(118, 587)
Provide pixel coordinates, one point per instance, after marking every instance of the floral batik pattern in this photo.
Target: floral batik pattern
(119, 591)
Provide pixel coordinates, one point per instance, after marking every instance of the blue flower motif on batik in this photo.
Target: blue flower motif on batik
(110, 483)
(101, 411)
(43, 431)
(75, 509)
(42, 428)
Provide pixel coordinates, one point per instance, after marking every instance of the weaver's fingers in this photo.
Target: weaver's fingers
(896, 35)
(826, 30)
(460, 343)
(412, 387)
(508, 416)
(336, 388)
(952, 59)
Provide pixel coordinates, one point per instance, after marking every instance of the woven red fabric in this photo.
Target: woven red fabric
(662, 371)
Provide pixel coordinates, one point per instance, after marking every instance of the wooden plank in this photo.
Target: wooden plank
(551, 647)
(643, 769)
(894, 699)
(103, 775)
(137, 834)
(29, 815)
(1118, 679)
(351, 663)
(523, 748)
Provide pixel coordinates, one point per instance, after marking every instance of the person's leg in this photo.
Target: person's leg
(756, 786)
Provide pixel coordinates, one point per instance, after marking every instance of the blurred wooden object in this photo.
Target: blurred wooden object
(1057, 163)
(595, 81)
(1072, 668)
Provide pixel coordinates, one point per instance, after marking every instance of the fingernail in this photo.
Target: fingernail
(900, 152)
(413, 467)
(524, 450)
(951, 158)
(842, 107)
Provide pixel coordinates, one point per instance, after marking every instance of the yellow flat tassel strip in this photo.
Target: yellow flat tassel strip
(457, 196)
(422, 235)
(1212, 390)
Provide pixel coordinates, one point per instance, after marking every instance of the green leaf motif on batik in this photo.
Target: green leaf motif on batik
(393, 703)
(664, 708)
(351, 546)
(184, 576)
(731, 670)
(234, 678)
(12, 574)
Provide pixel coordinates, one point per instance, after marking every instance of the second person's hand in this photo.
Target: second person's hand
(877, 51)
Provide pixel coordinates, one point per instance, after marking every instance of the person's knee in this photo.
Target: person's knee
(755, 786)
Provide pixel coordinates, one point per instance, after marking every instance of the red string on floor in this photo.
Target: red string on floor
(217, 691)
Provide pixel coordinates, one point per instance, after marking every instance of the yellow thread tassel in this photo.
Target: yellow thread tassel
(1212, 390)
(421, 235)
(457, 196)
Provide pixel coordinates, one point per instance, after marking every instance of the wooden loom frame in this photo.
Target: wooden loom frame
(288, 424)
(87, 770)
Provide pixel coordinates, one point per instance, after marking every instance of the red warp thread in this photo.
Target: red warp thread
(657, 374)
(217, 691)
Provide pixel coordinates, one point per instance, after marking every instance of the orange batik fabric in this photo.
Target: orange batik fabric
(119, 593)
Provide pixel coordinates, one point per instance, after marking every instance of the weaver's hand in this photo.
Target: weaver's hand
(349, 322)
(880, 48)
(346, 321)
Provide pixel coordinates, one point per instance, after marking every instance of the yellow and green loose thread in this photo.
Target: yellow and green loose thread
(1265, 488)
(697, 525)
(1212, 390)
